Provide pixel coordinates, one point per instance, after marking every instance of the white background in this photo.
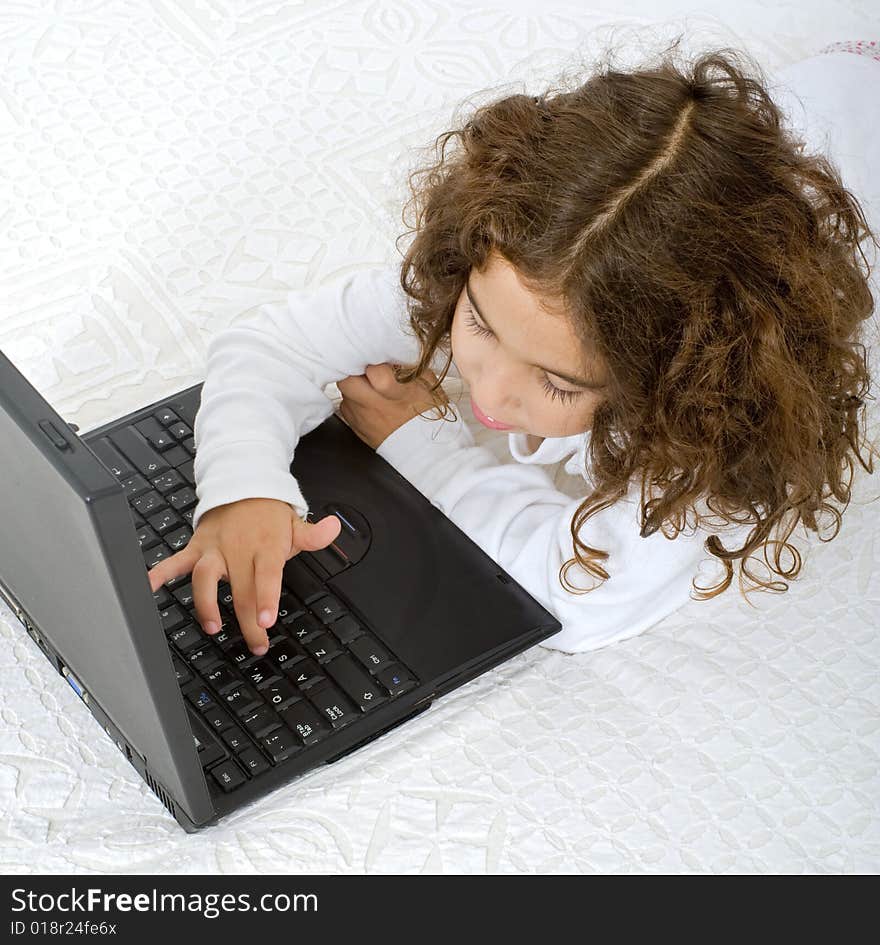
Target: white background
(167, 166)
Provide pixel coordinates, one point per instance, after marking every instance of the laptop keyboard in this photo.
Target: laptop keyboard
(323, 671)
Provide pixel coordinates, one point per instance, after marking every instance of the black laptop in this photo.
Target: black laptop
(399, 610)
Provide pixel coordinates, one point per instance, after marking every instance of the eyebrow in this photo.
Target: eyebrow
(579, 381)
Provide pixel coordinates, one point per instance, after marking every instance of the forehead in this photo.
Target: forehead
(501, 293)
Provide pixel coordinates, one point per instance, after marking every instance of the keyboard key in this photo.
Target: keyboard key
(165, 521)
(259, 673)
(289, 608)
(152, 556)
(112, 458)
(147, 537)
(155, 434)
(166, 416)
(305, 673)
(346, 629)
(229, 633)
(304, 627)
(185, 469)
(187, 638)
(173, 617)
(184, 595)
(243, 699)
(240, 655)
(235, 738)
(361, 688)
(177, 581)
(279, 693)
(204, 658)
(304, 720)
(199, 695)
(228, 775)
(261, 721)
(396, 679)
(168, 481)
(323, 647)
(199, 727)
(254, 763)
(217, 719)
(284, 653)
(301, 581)
(149, 502)
(328, 608)
(180, 669)
(162, 596)
(370, 652)
(281, 744)
(184, 498)
(134, 447)
(209, 752)
(179, 430)
(332, 705)
(222, 678)
(176, 457)
(179, 538)
(134, 485)
(206, 744)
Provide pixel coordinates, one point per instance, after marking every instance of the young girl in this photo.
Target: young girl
(647, 276)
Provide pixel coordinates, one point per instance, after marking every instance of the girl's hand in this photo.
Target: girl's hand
(375, 404)
(246, 543)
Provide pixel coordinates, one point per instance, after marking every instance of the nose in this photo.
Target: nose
(493, 397)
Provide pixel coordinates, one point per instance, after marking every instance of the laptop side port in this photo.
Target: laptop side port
(74, 683)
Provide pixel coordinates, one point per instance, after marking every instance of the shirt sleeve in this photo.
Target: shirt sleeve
(265, 380)
(519, 518)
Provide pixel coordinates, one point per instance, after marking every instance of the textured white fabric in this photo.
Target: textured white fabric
(168, 167)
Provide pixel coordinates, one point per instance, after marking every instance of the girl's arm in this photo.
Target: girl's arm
(519, 518)
(265, 380)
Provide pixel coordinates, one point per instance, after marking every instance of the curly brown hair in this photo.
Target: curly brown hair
(717, 266)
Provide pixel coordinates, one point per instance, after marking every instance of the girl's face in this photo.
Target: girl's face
(524, 367)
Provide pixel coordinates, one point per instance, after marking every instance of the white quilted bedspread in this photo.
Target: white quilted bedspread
(169, 165)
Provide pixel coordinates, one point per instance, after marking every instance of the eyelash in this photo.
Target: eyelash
(553, 392)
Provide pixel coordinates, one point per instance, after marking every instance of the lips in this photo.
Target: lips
(486, 421)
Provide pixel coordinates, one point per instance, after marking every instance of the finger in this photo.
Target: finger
(244, 602)
(377, 373)
(356, 387)
(310, 536)
(180, 563)
(382, 379)
(268, 569)
(208, 571)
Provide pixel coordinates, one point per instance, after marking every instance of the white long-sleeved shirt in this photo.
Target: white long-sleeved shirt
(264, 390)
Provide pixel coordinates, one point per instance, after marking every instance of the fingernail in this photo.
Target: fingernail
(265, 618)
(211, 627)
(260, 650)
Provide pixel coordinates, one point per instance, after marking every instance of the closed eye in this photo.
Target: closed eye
(552, 391)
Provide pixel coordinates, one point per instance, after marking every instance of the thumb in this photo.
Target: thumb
(310, 536)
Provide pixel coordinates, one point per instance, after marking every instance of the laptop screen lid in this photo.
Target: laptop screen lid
(70, 560)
